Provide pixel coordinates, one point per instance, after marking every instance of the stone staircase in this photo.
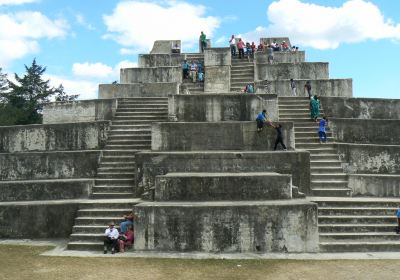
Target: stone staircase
(242, 73)
(198, 87)
(357, 224)
(327, 176)
(130, 132)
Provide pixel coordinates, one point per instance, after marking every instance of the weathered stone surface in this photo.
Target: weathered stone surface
(138, 90)
(330, 87)
(369, 158)
(167, 74)
(280, 57)
(45, 189)
(151, 164)
(217, 57)
(48, 165)
(284, 71)
(50, 137)
(157, 60)
(79, 111)
(197, 136)
(376, 185)
(223, 186)
(217, 79)
(221, 107)
(240, 226)
(362, 108)
(41, 219)
(386, 132)
(164, 46)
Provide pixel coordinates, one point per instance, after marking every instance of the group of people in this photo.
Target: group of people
(193, 71)
(307, 88)
(118, 240)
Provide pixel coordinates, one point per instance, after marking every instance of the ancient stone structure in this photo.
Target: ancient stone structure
(186, 157)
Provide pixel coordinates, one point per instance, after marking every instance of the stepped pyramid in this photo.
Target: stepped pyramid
(187, 159)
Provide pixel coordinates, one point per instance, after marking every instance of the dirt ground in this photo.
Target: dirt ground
(25, 262)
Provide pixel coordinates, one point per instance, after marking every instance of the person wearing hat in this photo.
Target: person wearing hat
(110, 238)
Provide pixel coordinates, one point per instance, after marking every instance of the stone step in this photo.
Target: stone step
(357, 219)
(142, 109)
(328, 177)
(85, 246)
(116, 168)
(335, 184)
(128, 137)
(295, 110)
(327, 163)
(320, 150)
(129, 125)
(128, 147)
(295, 98)
(359, 236)
(109, 204)
(116, 165)
(356, 228)
(324, 157)
(306, 129)
(326, 169)
(354, 246)
(86, 237)
(239, 84)
(112, 195)
(103, 212)
(115, 181)
(112, 189)
(110, 153)
(134, 141)
(162, 112)
(116, 175)
(346, 211)
(126, 99)
(142, 105)
(314, 145)
(313, 139)
(331, 192)
(140, 117)
(96, 221)
(305, 134)
(358, 202)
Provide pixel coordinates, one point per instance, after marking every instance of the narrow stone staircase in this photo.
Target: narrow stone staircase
(357, 224)
(113, 193)
(242, 73)
(327, 176)
(197, 87)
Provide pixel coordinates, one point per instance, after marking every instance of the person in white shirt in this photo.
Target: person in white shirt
(111, 238)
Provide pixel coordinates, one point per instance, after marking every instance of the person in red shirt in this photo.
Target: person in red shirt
(241, 46)
(253, 47)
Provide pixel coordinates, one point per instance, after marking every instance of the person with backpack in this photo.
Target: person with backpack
(249, 88)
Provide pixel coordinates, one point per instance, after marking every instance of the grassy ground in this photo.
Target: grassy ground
(24, 262)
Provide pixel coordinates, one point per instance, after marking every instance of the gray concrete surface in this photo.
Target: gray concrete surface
(375, 185)
(166, 74)
(284, 71)
(111, 91)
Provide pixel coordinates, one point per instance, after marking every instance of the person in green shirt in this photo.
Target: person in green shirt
(203, 41)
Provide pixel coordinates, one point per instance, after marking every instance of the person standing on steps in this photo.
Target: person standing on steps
(323, 123)
(314, 106)
(293, 87)
(241, 46)
(398, 221)
(270, 53)
(203, 41)
(279, 137)
(307, 87)
(185, 69)
(193, 71)
(232, 44)
(111, 238)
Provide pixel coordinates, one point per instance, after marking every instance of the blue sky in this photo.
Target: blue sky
(84, 43)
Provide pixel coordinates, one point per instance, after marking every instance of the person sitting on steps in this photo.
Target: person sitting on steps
(126, 239)
(111, 238)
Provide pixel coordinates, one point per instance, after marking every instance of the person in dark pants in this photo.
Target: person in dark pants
(398, 221)
(110, 238)
(279, 137)
(261, 119)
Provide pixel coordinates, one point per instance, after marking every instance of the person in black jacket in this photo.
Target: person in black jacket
(279, 137)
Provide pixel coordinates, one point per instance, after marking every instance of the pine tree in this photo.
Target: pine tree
(62, 96)
(3, 83)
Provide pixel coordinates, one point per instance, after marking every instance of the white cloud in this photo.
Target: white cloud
(92, 70)
(86, 89)
(136, 25)
(80, 19)
(325, 27)
(21, 31)
(16, 2)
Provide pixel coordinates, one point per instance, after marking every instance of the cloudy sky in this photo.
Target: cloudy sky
(86, 42)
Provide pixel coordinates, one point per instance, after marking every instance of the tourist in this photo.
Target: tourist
(128, 221)
(176, 48)
(185, 69)
(275, 46)
(398, 221)
(260, 47)
(307, 87)
(232, 44)
(126, 239)
(270, 52)
(248, 88)
(248, 49)
(284, 46)
(279, 137)
(293, 87)
(203, 41)
(314, 106)
(240, 46)
(110, 238)
(321, 132)
(261, 120)
(193, 71)
(199, 66)
(200, 76)
(253, 47)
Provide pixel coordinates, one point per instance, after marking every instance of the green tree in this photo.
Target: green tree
(3, 82)
(62, 96)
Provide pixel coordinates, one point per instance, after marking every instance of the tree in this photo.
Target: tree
(3, 82)
(62, 96)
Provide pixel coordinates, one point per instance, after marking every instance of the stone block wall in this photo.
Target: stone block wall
(331, 87)
(111, 91)
(160, 60)
(361, 108)
(284, 71)
(280, 57)
(51, 137)
(79, 111)
(217, 62)
(376, 185)
(221, 107)
(167, 74)
(194, 136)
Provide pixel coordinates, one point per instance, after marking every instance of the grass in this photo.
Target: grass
(25, 262)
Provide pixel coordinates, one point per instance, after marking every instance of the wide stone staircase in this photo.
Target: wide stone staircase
(197, 87)
(327, 176)
(242, 73)
(113, 193)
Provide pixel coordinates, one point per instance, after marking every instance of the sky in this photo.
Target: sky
(84, 43)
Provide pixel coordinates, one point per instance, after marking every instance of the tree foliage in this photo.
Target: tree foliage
(22, 101)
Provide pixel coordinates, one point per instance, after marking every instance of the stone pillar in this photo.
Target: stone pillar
(217, 62)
